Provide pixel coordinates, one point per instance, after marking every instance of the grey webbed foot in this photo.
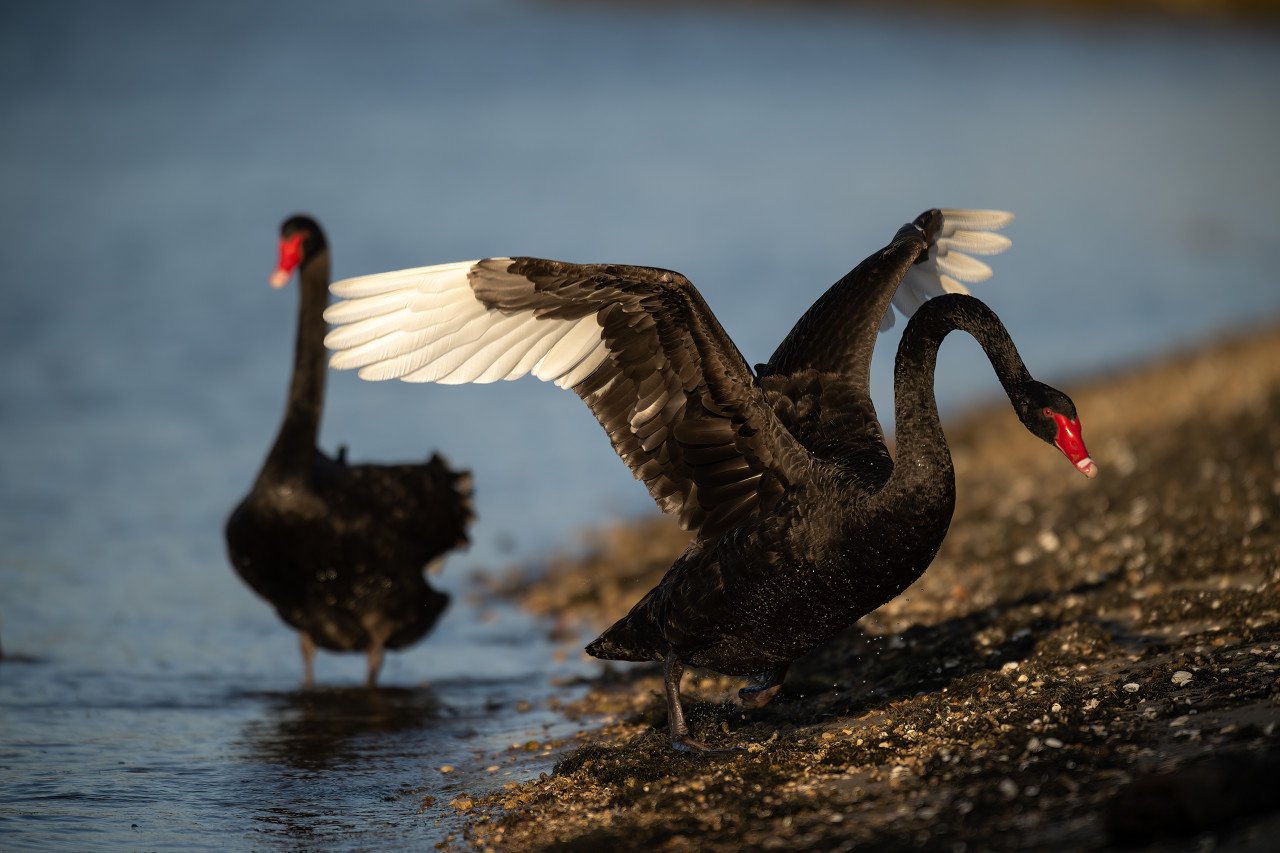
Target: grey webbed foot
(681, 741)
(756, 697)
(763, 688)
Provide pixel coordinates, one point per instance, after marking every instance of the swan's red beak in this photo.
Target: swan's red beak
(290, 257)
(1071, 443)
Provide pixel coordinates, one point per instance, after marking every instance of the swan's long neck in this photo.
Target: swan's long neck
(294, 450)
(923, 479)
(838, 333)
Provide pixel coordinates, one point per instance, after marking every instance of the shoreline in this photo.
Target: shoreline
(1078, 658)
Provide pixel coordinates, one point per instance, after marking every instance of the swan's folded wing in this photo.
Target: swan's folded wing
(637, 344)
(947, 265)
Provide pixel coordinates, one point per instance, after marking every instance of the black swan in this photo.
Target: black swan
(804, 522)
(340, 550)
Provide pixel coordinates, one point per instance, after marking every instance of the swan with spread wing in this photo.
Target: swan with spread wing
(803, 522)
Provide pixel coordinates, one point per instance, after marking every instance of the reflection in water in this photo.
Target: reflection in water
(329, 766)
(332, 728)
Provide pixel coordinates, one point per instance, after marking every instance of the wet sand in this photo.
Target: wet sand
(1086, 663)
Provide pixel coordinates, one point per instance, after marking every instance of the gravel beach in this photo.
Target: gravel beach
(1087, 664)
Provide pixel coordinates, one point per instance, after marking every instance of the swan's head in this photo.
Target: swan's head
(1051, 415)
(300, 238)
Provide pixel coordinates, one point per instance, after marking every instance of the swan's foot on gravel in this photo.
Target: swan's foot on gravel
(697, 747)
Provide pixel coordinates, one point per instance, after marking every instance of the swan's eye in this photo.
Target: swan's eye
(1047, 412)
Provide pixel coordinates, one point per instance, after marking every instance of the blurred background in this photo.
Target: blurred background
(151, 150)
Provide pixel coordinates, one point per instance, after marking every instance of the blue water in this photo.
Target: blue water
(149, 152)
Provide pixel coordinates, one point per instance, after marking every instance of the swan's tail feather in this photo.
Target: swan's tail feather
(622, 642)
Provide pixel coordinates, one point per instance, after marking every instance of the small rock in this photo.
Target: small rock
(1048, 540)
(1132, 687)
(446, 768)
(1009, 788)
(1053, 743)
(1181, 677)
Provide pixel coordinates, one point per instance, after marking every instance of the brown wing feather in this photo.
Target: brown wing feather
(679, 403)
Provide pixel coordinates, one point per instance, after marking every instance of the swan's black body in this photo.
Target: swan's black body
(852, 528)
(340, 550)
(847, 538)
(803, 521)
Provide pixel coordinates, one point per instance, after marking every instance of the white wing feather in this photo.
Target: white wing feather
(426, 325)
(947, 269)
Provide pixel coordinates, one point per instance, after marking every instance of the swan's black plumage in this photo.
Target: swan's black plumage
(803, 521)
(340, 550)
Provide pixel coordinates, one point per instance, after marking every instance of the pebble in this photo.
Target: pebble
(1053, 743)
(1181, 677)
(1132, 687)
(1048, 541)
(1009, 788)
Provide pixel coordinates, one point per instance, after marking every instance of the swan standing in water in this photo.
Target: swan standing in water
(340, 550)
(803, 521)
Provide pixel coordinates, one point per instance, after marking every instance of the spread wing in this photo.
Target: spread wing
(945, 267)
(638, 345)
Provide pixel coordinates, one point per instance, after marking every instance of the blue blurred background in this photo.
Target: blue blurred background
(150, 151)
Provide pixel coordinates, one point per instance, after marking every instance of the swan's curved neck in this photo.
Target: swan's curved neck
(922, 471)
(294, 448)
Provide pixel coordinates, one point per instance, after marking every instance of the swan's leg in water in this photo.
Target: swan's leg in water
(763, 687)
(375, 664)
(672, 671)
(308, 659)
(378, 634)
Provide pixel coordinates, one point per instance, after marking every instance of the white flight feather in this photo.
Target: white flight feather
(426, 325)
(409, 333)
(515, 347)
(573, 349)
(421, 279)
(440, 343)
(946, 266)
(467, 358)
(585, 366)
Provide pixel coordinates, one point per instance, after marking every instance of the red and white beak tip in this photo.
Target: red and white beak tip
(279, 278)
(1088, 467)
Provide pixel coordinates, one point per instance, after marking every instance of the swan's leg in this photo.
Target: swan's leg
(672, 671)
(763, 687)
(375, 662)
(308, 659)
(379, 633)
